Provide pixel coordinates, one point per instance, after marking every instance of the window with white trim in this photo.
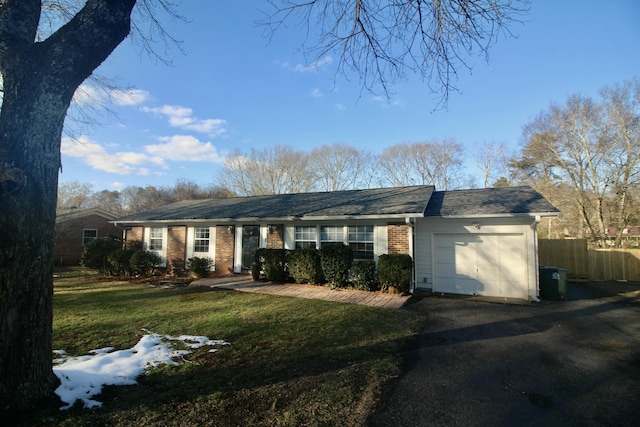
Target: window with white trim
(306, 237)
(155, 239)
(89, 234)
(201, 237)
(361, 241)
(331, 234)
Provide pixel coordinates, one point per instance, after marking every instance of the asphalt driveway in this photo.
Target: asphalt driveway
(571, 363)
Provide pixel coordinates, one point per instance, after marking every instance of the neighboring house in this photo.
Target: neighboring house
(466, 242)
(77, 227)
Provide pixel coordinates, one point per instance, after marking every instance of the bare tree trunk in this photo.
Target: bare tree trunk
(39, 81)
(29, 178)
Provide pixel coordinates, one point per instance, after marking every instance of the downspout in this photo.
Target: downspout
(534, 226)
(412, 251)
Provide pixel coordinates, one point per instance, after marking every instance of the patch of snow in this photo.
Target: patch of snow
(83, 377)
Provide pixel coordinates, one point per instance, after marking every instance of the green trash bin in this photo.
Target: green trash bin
(553, 282)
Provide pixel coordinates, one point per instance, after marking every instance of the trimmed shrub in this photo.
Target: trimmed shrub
(336, 260)
(136, 245)
(304, 266)
(119, 260)
(96, 252)
(363, 275)
(395, 270)
(199, 267)
(273, 263)
(143, 262)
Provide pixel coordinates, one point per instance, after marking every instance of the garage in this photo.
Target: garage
(480, 264)
(480, 242)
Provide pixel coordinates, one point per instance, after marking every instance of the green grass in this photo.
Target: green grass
(291, 361)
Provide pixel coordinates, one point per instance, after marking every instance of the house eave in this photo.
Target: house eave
(502, 215)
(287, 219)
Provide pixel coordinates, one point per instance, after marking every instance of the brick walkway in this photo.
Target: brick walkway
(243, 283)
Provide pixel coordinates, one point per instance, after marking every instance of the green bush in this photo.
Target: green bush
(273, 263)
(304, 266)
(143, 262)
(336, 260)
(95, 253)
(395, 270)
(136, 245)
(363, 275)
(119, 260)
(199, 267)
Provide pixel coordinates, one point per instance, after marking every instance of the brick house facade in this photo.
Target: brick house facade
(473, 242)
(75, 228)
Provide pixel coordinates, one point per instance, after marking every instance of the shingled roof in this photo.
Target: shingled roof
(490, 201)
(381, 202)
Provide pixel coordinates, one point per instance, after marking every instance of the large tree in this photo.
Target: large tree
(39, 79)
(589, 149)
(277, 170)
(41, 73)
(435, 162)
(341, 167)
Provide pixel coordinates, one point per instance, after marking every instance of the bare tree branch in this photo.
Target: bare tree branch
(383, 41)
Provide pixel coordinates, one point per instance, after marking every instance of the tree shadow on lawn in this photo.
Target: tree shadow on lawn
(241, 385)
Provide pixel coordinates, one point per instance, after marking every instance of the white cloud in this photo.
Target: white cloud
(92, 94)
(130, 97)
(182, 117)
(314, 66)
(116, 184)
(95, 155)
(185, 148)
(316, 93)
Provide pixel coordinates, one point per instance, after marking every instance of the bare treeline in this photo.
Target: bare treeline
(132, 199)
(283, 169)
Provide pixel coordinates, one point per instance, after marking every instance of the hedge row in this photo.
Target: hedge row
(333, 264)
(108, 256)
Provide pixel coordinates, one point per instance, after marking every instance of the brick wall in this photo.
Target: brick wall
(225, 245)
(176, 248)
(398, 238)
(134, 233)
(275, 236)
(69, 233)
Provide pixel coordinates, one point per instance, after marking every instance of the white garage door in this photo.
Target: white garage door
(480, 264)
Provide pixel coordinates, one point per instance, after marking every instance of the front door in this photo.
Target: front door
(250, 242)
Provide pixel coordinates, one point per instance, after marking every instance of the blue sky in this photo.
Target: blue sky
(235, 89)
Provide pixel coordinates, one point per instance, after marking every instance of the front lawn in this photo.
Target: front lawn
(290, 361)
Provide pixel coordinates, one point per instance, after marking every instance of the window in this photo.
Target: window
(332, 233)
(306, 237)
(201, 239)
(361, 241)
(155, 239)
(88, 235)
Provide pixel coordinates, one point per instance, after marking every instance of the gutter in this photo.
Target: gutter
(534, 226)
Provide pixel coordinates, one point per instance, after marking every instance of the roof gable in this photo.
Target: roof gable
(64, 215)
(390, 202)
(490, 201)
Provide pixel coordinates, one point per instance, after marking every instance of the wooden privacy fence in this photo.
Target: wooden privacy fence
(590, 264)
